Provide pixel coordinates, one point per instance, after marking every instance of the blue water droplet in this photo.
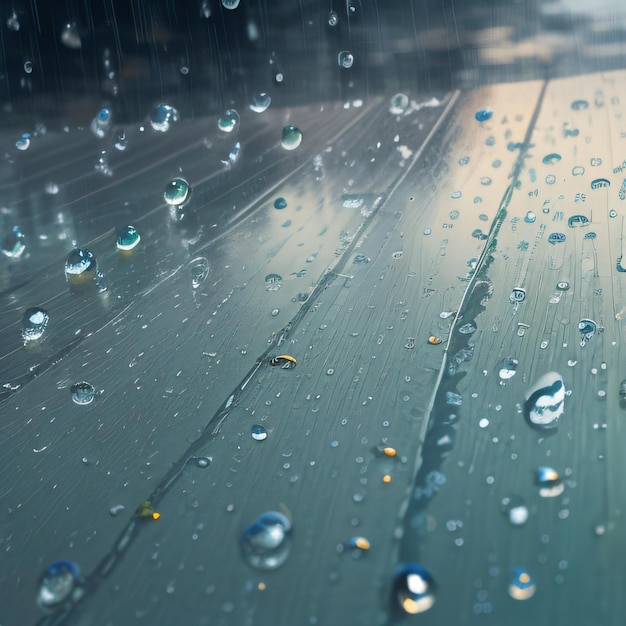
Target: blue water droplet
(127, 238)
(265, 543)
(162, 117)
(280, 203)
(483, 115)
(291, 137)
(259, 433)
(229, 121)
(60, 581)
(414, 588)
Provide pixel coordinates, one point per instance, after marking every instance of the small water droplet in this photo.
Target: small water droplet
(291, 137)
(177, 192)
(199, 269)
(259, 433)
(345, 59)
(13, 245)
(414, 588)
(127, 238)
(162, 117)
(333, 18)
(83, 393)
(34, 322)
(260, 102)
(230, 4)
(229, 121)
(399, 104)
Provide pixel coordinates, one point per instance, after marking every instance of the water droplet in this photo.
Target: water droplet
(177, 192)
(507, 367)
(101, 123)
(34, 322)
(333, 18)
(259, 433)
(454, 399)
(280, 203)
(229, 121)
(260, 102)
(399, 104)
(199, 270)
(83, 393)
(13, 245)
(200, 461)
(292, 137)
(61, 580)
(345, 59)
(414, 588)
(28, 67)
(23, 143)
(275, 312)
(80, 267)
(483, 115)
(70, 36)
(468, 329)
(265, 543)
(515, 510)
(114, 510)
(162, 117)
(13, 22)
(230, 4)
(233, 155)
(522, 586)
(127, 238)
(121, 141)
(545, 401)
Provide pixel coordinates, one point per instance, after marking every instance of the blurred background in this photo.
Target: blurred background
(61, 61)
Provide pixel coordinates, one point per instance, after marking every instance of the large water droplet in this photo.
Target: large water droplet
(83, 392)
(80, 267)
(545, 401)
(162, 117)
(414, 588)
(292, 138)
(260, 102)
(61, 580)
(177, 192)
(483, 115)
(199, 269)
(265, 543)
(345, 59)
(259, 433)
(399, 104)
(230, 4)
(229, 121)
(13, 244)
(127, 238)
(34, 322)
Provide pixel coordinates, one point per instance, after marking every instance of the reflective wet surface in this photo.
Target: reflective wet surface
(390, 316)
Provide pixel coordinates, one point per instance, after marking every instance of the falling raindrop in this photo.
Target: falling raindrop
(162, 117)
(291, 137)
(414, 588)
(127, 238)
(83, 393)
(260, 102)
(229, 121)
(177, 192)
(34, 322)
(345, 59)
(59, 582)
(259, 433)
(265, 543)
